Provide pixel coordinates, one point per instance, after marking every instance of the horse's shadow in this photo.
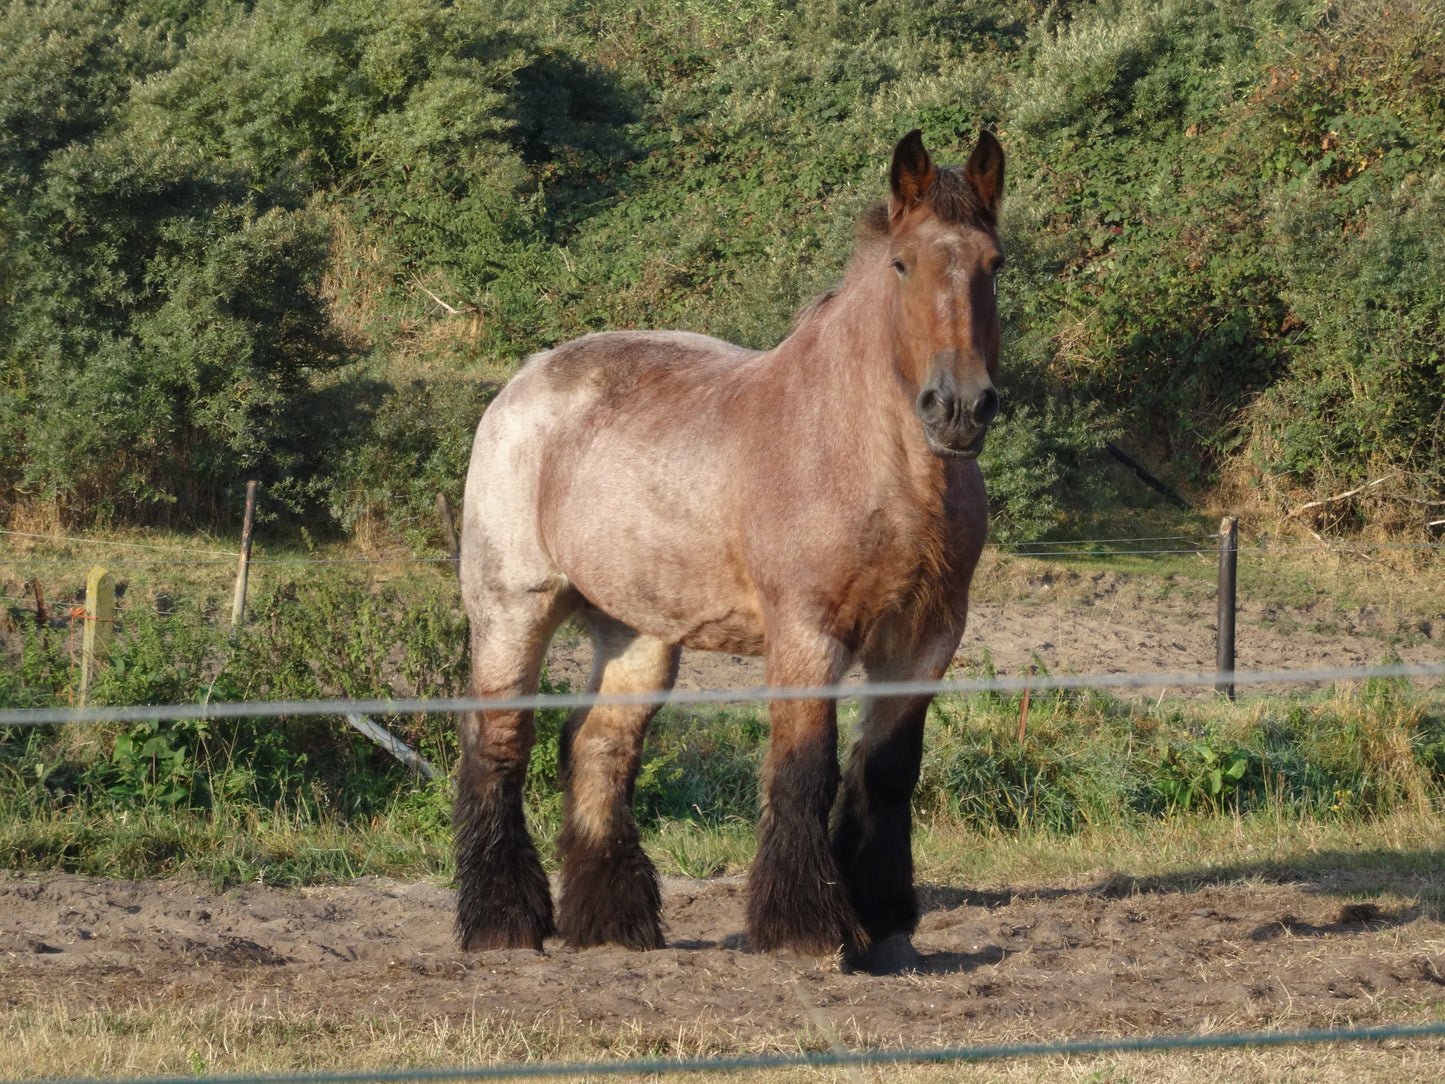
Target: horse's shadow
(1317, 875)
(1314, 875)
(893, 960)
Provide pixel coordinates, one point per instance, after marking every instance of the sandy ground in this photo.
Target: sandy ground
(1109, 955)
(1110, 623)
(1217, 950)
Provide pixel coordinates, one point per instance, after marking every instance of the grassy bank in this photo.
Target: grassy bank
(237, 801)
(299, 799)
(270, 241)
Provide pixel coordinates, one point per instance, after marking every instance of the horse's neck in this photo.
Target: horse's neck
(842, 357)
(844, 347)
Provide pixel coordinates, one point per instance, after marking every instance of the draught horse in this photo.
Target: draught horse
(818, 504)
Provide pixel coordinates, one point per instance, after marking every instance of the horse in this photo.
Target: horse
(818, 504)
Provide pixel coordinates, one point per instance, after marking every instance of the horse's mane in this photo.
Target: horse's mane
(813, 307)
(951, 197)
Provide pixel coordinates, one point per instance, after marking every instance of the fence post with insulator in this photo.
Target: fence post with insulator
(99, 625)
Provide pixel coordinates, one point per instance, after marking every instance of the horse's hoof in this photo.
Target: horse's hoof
(609, 901)
(487, 940)
(891, 955)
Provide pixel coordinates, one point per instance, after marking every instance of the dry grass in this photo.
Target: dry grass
(1398, 855)
(67, 1040)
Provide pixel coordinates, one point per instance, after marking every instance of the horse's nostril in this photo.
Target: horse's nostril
(985, 407)
(932, 407)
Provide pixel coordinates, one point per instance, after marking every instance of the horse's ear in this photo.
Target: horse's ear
(911, 176)
(985, 171)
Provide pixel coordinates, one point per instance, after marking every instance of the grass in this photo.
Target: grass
(1392, 856)
(1341, 790)
(58, 1040)
(221, 848)
(1089, 767)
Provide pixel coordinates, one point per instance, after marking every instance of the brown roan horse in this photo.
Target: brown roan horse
(818, 504)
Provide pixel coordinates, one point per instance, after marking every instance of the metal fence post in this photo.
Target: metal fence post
(1228, 565)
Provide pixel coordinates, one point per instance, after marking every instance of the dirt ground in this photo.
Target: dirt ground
(1108, 955)
(1104, 622)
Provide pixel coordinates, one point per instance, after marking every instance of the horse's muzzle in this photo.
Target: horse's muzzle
(956, 420)
(960, 446)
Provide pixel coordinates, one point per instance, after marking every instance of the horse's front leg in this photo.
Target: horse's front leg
(872, 821)
(796, 898)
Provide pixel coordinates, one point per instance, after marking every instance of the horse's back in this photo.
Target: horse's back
(576, 476)
(565, 389)
(612, 365)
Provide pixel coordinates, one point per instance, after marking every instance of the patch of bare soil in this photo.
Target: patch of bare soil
(1110, 956)
(1103, 622)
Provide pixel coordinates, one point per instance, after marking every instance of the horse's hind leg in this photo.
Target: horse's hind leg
(503, 897)
(609, 885)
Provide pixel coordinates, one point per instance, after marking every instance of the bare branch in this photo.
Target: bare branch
(1337, 497)
(470, 307)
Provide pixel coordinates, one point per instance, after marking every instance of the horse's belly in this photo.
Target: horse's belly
(694, 602)
(736, 634)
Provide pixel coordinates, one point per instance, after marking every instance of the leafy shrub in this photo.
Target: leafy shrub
(1365, 392)
(1197, 775)
(221, 225)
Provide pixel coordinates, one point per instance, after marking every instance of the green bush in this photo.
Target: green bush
(1365, 390)
(226, 230)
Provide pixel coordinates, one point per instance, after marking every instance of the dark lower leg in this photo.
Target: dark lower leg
(872, 824)
(796, 899)
(503, 898)
(609, 887)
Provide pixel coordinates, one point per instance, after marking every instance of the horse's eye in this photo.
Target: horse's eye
(898, 266)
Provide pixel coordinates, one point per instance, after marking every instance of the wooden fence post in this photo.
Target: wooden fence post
(449, 532)
(99, 625)
(243, 570)
(1228, 564)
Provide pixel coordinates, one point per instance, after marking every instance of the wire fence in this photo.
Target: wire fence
(1083, 548)
(582, 1070)
(135, 713)
(1202, 545)
(115, 542)
(836, 1058)
(60, 610)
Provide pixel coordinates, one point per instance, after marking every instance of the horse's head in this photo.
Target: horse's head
(944, 247)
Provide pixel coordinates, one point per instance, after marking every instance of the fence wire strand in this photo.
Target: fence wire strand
(834, 1059)
(136, 713)
(114, 542)
(1087, 547)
